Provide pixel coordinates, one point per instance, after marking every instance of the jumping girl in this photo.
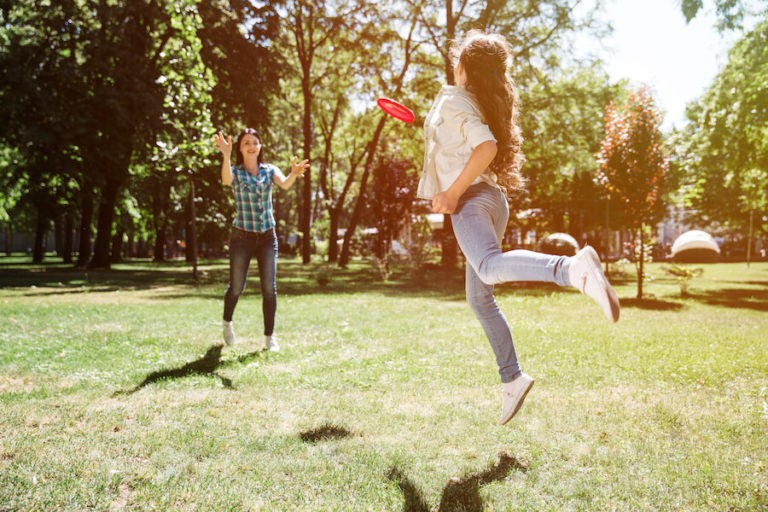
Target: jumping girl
(473, 150)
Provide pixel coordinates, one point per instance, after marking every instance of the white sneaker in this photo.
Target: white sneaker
(512, 396)
(270, 343)
(586, 274)
(229, 333)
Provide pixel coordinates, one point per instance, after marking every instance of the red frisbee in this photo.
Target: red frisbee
(396, 110)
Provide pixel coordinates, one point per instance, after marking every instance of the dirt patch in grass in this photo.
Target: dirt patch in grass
(326, 432)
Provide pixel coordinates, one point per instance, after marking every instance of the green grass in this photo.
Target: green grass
(115, 394)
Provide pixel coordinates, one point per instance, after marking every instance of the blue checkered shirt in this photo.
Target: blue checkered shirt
(253, 198)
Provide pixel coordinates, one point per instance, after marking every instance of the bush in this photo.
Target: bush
(683, 274)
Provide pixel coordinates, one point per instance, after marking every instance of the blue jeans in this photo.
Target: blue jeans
(479, 224)
(243, 245)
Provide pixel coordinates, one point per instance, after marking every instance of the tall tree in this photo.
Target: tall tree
(333, 183)
(238, 45)
(13, 184)
(726, 143)
(392, 75)
(394, 189)
(633, 165)
(315, 28)
(563, 129)
(122, 48)
(183, 135)
(36, 95)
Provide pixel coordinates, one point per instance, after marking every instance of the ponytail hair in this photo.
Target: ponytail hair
(485, 58)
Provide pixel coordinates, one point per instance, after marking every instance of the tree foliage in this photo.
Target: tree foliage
(725, 146)
(109, 106)
(730, 13)
(633, 164)
(563, 129)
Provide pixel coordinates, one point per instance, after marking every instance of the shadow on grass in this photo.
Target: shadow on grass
(459, 494)
(651, 304)
(293, 279)
(206, 366)
(740, 298)
(326, 432)
(752, 283)
(735, 298)
(56, 277)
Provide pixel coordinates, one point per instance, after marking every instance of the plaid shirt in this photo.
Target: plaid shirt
(253, 198)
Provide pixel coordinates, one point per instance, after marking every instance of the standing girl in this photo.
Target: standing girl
(253, 229)
(472, 150)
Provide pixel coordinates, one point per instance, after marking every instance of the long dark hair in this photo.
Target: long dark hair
(485, 58)
(239, 155)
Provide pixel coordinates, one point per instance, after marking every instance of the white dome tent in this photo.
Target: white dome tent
(695, 246)
(559, 243)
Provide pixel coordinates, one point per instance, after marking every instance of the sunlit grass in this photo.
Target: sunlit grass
(115, 394)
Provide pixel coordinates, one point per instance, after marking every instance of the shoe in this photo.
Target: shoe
(512, 396)
(270, 343)
(229, 333)
(586, 274)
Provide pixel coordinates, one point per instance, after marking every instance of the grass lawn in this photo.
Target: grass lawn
(116, 394)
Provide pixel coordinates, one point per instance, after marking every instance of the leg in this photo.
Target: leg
(483, 303)
(239, 259)
(484, 220)
(267, 258)
(476, 227)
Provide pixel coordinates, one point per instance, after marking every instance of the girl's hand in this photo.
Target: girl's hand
(298, 168)
(444, 202)
(223, 144)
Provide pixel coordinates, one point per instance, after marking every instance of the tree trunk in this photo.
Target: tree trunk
(191, 250)
(107, 206)
(86, 214)
(335, 213)
(641, 267)
(41, 229)
(159, 243)
(334, 207)
(333, 235)
(116, 252)
(450, 249)
(305, 215)
(130, 249)
(749, 236)
(69, 226)
(58, 235)
(161, 205)
(9, 239)
(360, 203)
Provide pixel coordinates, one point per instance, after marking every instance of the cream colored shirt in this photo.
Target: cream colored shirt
(453, 128)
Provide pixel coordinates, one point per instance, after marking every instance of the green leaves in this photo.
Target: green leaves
(690, 8)
(633, 163)
(726, 146)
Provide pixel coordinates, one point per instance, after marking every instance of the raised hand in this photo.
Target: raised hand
(223, 144)
(298, 168)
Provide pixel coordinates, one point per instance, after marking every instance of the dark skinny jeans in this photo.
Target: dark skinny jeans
(244, 245)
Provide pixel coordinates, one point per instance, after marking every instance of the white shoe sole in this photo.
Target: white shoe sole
(519, 403)
(601, 290)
